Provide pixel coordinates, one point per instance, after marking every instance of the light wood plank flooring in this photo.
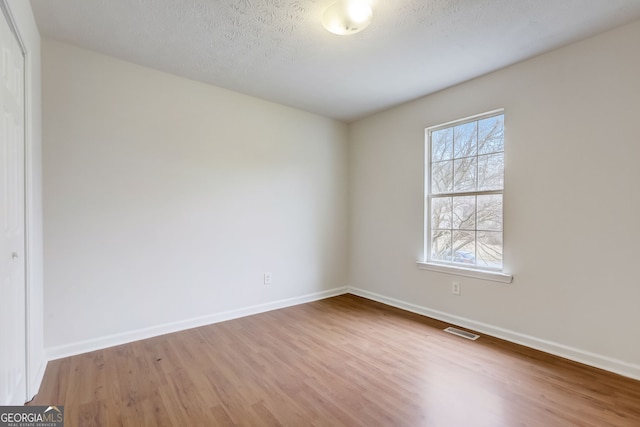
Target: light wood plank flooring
(343, 361)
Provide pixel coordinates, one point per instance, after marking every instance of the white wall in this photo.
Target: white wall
(572, 234)
(167, 199)
(28, 32)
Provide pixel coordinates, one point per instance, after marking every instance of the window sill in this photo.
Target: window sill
(466, 272)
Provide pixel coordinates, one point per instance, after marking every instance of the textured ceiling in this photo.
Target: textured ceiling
(279, 51)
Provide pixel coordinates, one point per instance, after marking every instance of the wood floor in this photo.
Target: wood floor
(343, 361)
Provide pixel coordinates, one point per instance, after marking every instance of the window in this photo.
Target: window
(464, 193)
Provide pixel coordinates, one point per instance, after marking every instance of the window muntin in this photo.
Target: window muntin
(465, 183)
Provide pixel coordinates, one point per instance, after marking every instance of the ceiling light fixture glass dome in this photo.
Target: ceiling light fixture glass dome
(347, 17)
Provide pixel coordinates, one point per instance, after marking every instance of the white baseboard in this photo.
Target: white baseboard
(596, 360)
(154, 331)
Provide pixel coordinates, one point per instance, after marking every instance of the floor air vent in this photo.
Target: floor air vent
(463, 334)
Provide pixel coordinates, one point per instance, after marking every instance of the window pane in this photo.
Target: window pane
(490, 212)
(465, 140)
(442, 177)
(491, 172)
(489, 249)
(442, 145)
(441, 245)
(441, 213)
(491, 135)
(464, 247)
(464, 213)
(465, 174)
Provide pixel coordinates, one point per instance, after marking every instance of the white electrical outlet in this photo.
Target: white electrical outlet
(267, 278)
(455, 288)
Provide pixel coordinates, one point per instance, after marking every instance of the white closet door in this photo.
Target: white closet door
(12, 222)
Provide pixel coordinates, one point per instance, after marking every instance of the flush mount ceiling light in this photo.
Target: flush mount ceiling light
(347, 17)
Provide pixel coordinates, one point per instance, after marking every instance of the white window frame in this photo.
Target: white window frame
(444, 267)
